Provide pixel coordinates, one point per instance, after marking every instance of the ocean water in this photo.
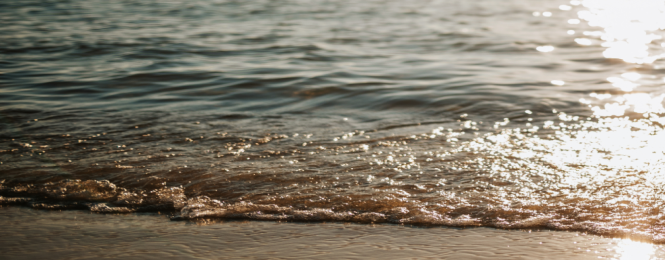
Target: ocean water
(507, 114)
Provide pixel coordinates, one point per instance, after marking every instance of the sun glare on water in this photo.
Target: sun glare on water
(631, 250)
(627, 137)
(629, 28)
(608, 168)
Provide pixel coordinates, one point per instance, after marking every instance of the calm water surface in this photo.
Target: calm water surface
(508, 114)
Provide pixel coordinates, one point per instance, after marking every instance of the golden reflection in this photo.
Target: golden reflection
(631, 250)
(629, 28)
(609, 165)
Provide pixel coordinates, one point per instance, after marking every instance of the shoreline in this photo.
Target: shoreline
(74, 234)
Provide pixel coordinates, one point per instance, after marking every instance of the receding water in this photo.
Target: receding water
(508, 114)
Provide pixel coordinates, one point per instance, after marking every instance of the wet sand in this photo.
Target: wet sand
(33, 234)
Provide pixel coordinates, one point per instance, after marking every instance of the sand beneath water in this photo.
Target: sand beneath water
(38, 234)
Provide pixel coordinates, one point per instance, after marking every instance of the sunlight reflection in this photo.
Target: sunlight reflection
(557, 82)
(649, 106)
(622, 84)
(547, 48)
(583, 41)
(629, 27)
(634, 250)
(605, 168)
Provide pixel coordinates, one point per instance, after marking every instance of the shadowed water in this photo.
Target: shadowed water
(508, 114)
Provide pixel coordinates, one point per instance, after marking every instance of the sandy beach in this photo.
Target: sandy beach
(40, 234)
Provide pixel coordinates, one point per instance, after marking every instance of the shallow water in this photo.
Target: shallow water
(510, 114)
(30, 234)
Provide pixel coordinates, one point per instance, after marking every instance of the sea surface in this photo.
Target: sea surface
(513, 114)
